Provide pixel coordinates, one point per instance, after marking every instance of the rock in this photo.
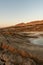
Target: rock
(28, 61)
(17, 49)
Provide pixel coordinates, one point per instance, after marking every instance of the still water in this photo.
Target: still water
(38, 41)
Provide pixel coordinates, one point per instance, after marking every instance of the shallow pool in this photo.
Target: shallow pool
(38, 41)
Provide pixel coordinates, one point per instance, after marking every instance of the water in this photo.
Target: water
(38, 41)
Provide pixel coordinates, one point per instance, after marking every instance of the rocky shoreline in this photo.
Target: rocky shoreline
(16, 49)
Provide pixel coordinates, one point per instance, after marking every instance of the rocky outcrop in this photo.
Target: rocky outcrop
(26, 27)
(16, 47)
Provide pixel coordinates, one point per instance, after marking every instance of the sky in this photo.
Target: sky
(13, 12)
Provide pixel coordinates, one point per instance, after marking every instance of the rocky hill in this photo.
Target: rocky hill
(27, 27)
(32, 26)
(16, 46)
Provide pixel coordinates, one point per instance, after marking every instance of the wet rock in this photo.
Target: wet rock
(16, 49)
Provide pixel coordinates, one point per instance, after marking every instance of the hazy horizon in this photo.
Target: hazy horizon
(13, 12)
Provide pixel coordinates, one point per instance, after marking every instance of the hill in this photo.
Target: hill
(31, 26)
(27, 27)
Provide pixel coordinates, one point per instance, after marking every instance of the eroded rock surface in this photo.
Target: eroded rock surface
(17, 49)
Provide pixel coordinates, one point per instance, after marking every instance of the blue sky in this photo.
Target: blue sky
(16, 11)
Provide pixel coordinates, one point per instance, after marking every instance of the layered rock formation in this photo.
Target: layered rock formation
(16, 47)
(27, 27)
